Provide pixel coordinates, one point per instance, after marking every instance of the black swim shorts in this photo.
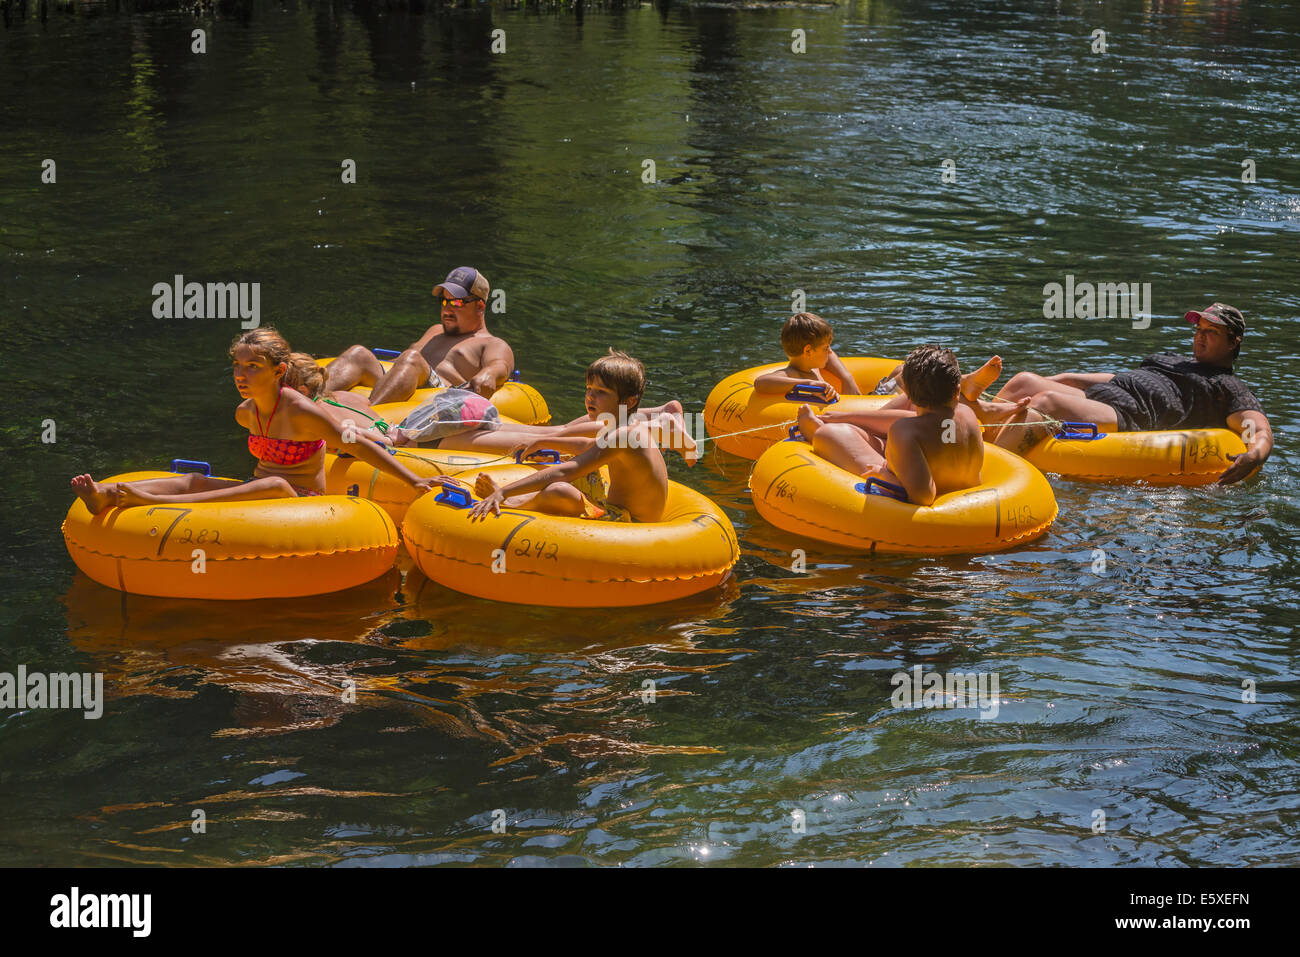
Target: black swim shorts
(1128, 411)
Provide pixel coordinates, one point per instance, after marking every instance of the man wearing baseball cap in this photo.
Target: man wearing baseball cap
(1165, 392)
(458, 351)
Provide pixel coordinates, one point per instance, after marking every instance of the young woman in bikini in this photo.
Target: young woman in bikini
(288, 434)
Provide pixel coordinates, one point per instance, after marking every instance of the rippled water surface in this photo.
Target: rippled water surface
(1120, 692)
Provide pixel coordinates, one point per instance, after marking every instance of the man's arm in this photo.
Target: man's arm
(1258, 436)
(496, 362)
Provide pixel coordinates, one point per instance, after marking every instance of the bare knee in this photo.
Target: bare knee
(357, 353)
(277, 487)
(564, 499)
(1048, 404)
(411, 359)
(1027, 382)
(832, 434)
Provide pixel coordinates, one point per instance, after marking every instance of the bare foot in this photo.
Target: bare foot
(997, 411)
(809, 422)
(96, 496)
(974, 383)
(128, 496)
(484, 485)
(671, 434)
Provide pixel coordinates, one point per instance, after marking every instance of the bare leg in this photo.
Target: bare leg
(669, 431)
(1081, 380)
(559, 498)
(409, 371)
(671, 407)
(356, 366)
(498, 442)
(840, 443)
(1024, 384)
(1054, 405)
(130, 493)
(101, 495)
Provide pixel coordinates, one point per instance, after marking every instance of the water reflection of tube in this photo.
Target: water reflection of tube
(455, 620)
(159, 646)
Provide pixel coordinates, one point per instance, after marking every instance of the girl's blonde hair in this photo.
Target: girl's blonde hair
(304, 373)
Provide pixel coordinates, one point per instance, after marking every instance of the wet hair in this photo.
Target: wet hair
(304, 373)
(265, 342)
(623, 374)
(804, 329)
(931, 376)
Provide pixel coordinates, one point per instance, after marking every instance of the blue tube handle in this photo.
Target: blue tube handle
(795, 435)
(1079, 431)
(386, 353)
(876, 486)
(455, 497)
(810, 393)
(515, 377)
(191, 465)
(540, 453)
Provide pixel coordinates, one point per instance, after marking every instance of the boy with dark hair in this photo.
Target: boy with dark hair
(931, 451)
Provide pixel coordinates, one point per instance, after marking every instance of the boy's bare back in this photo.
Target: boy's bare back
(917, 453)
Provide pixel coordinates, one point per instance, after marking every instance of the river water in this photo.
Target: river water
(1145, 711)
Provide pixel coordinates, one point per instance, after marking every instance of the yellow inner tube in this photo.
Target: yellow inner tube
(733, 406)
(1187, 457)
(535, 559)
(349, 476)
(800, 492)
(517, 400)
(267, 548)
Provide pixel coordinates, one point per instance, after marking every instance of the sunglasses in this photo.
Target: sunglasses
(457, 303)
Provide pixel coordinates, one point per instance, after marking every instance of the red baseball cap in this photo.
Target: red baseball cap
(1221, 315)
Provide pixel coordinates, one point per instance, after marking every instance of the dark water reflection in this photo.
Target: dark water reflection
(1120, 690)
